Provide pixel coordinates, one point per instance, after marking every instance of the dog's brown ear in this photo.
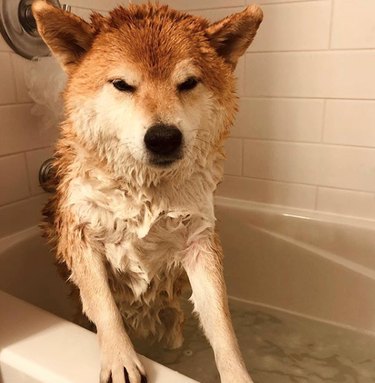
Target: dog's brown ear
(68, 36)
(232, 35)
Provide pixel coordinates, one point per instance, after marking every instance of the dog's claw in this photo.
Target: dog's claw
(127, 380)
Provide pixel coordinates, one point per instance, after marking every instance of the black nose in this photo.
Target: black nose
(163, 139)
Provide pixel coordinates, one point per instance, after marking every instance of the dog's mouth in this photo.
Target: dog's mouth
(164, 161)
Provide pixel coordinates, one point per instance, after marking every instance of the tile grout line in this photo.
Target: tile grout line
(31, 197)
(318, 98)
(242, 156)
(16, 104)
(12, 63)
(322, 50)
(324, 119)
(316, 197)
(13, 73)
(27, 172)
(312, 143)
(331, 25)
(24, 151)
(245, 177)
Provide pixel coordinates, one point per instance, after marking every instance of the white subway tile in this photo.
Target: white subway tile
(281, 161)
(347, 168)
(280, 119)
(34, 160)
(20, 68)
(13, 176)
(277, 193)
(233, 163)
(350, 122)
(346, 202)
(21, 215)
(324, 165)
(294, 26)
(82, 12)
(196, 4)
(8, 91)
(353, 24)
(240, 76)
(215, 14)
(19, 130)
(106, 5)
(277, 1)
(332, 74)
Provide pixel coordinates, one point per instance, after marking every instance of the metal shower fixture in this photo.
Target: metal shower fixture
(18, 27)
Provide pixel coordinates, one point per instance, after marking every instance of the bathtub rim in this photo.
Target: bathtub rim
(22, 352)
(299, 213)
(238, 204)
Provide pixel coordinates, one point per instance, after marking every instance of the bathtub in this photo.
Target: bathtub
(314, 265)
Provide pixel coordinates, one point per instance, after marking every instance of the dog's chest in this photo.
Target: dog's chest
(144, 237)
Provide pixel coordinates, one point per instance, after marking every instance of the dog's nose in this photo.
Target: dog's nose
(163, 139)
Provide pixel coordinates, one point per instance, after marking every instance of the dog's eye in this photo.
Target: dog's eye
(188, 84)
(123, 86)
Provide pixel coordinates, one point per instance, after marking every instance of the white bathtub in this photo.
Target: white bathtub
(314, 265)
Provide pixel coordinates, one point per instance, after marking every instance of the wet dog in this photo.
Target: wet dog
(149, 102)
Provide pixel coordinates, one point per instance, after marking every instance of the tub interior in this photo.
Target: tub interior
(29, 273)
(301, 297)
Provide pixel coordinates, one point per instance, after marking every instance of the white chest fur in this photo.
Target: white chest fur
(144, 233)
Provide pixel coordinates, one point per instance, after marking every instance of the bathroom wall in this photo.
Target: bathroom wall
(305, 135)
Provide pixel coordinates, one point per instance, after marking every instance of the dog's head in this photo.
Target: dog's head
(148, 86)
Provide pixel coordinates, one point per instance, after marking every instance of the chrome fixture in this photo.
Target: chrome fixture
(47, 176)
(18, 27)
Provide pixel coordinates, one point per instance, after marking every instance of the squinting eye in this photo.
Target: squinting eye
(187, 85)
(123, 86)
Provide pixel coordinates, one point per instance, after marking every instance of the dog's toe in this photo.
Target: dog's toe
(127, 380)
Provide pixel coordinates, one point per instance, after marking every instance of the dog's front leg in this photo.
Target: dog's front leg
(119, 361)
(204, 267)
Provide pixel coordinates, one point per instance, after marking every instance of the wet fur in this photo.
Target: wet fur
(115, 219)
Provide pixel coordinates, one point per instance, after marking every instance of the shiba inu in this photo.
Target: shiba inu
(149, 102)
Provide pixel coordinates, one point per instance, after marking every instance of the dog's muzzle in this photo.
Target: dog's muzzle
(164, 144)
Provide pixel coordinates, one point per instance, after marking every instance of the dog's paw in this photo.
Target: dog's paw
(122, 367)
(126, 377)
(122, 375)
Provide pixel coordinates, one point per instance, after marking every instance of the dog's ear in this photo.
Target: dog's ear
(232, 35)
(68, 36)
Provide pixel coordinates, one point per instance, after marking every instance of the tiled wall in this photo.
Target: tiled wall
(305, 134)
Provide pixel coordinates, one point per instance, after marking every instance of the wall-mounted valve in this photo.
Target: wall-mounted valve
(18, 27)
